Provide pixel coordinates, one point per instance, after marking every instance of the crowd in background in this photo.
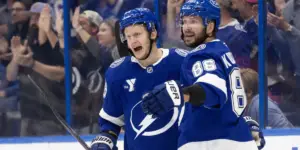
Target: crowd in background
(32, 47)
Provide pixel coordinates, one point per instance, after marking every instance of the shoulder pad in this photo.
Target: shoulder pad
(214, 3)
(181, 52)
(200, 47)
(117, 62)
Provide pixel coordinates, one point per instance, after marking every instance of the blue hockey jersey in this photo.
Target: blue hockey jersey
(127, 81)
(238, 41)
(213, 67)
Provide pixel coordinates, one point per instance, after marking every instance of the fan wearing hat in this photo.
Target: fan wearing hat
(88, 21)
(86, 26)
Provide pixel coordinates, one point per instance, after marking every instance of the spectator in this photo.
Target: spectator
(291, 14)
(279, 5)
(19, 21)
(282, 36)
(104, 7)
(37, 62)
(5, 54)
(86, 26)
(109, 8)
(290, 25)
(282, 76)
(5, 17)
(277, 55)
(9, 110)
(173, 24)
(37, 118)
(244, 7)
(247, 9)
(42, 40)
(107, 37)
(276, 118)
(233, 34)
(90, 60)
(42, 36)
(288, 28)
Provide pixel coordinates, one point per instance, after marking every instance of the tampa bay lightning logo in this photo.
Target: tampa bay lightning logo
(181, 52)
(95, 80)
(143, 125)
(117, 62)
(76, 80)
(214, 3)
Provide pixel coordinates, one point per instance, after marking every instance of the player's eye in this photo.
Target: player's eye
(194, 21)
(136, 35)
(128, 37)
(184, 22)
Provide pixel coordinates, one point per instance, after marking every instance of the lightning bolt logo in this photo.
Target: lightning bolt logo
(147, 121)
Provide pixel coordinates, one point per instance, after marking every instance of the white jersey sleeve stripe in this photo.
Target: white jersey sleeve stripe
(181, 115)
(213, 80)
(115, 120)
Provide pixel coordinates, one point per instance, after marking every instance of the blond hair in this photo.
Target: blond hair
(250, 80)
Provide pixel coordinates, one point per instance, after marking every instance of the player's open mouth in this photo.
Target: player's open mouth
(138, 48)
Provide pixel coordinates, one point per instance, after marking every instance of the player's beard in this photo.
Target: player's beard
(147, 53)
(199, 39)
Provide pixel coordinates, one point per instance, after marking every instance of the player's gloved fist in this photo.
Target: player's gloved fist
(163, 98)
(256, 132)
(104, 141)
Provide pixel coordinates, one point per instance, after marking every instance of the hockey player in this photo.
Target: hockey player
(129, 78)
(211, 84)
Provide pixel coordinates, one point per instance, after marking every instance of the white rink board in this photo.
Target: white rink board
(48, 146)
(282, 143)
(276, 140)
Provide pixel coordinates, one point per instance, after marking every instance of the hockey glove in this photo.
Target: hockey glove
(256, 132)
(162, 99)
(104, 141)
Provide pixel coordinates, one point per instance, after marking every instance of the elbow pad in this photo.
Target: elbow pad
(197, 94)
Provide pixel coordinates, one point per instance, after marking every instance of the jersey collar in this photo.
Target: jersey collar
(164, 55)
(215, 40)
(232, 23)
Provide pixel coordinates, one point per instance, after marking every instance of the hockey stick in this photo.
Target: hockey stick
(59, 118)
